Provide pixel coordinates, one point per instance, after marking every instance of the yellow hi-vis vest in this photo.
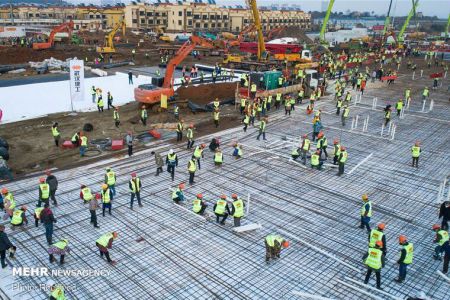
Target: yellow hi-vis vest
(104, 239)
(17, 217)
(37, 212)
(220, 206)
(243, 102)
(190, 133)
(84, 141)
(272, 238)
(116, 115)
(337, 150)
(74, 137)
(278, 97)
(238, 208)
(45, 190)
(174, 193)
(409, 253)
(373, 260)
(444, 237)
(100, 102)
(415, 151)
(60, 245)
(87, 194)
(262, 126)
(196, 205)
(55, 131)
(135, 185)
(348, 97)
(307, 142)
(425, 92)
(315, 159)
(10, 198)
(344, 157)
(192, 166)
(218, 157)
(111, 178)
(58, 292)
(375, 235)
(144, 113)
(106, 197)
(216, 115)
(198, 152)
(172, 158)
(346, 112)
(253, 88)
(363, 209)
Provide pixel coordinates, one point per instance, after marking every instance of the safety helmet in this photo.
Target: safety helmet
(234, 196)
(203, 145)
(320, 134)
(97, 196)
(82, 186)
(305, 136)
(42, 180)
(223, 197)
(108, 169)
(402, 239)
(365, 197)
(436, 227)
(343, 148)
(115, 234)
(200, 196)
(181, 185)
(23, 207)
(318, 152)
(336, 141)
(379, 244)
(4, 191)
(133, 174)
(171, 151)
(104, 186)
(417, 143)
(381, 226)
(191, 126)
(285, 244)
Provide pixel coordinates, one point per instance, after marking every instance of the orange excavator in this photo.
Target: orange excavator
(274, 31)
(64, 27)
(240, 38)
(150, 94)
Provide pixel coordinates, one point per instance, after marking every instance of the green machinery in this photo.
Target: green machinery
(325, 22)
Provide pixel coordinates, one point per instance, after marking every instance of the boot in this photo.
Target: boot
(398, 280)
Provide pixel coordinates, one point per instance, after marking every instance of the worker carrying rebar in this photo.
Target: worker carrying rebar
(190, 136)
(415, 152)
(218, 157)
(366, 213)
(135, 185)
(221, 209)
(104, 243)
(442, 239)
(406, 257)
(106, 199)
(374, 260)
(144, 115)
(60, 248)
(18, 217)
(56, 134)
(116, 117)
(177, 194)
(198, 153)
(199, 205)
(5, 245)
(192, 168)
(274, 243)
(171, 162)
(57, 292)
(44, 192)
(378, 235)
(237, 209)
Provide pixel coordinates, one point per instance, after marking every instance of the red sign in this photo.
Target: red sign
(436, 75)
(392, 77)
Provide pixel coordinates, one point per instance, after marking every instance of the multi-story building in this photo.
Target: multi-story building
(190, 17)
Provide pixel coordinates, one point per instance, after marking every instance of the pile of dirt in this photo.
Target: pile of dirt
(295, 32)
(205, 93)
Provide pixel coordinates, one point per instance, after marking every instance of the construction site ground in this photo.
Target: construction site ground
(164, 251)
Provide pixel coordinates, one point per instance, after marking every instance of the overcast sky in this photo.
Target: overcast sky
(440, 8)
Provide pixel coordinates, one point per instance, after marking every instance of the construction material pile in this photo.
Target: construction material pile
(51, 64)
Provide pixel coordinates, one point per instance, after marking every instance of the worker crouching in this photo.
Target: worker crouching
(60, 248)
(199, 205)
(274, 243)
(221, 209)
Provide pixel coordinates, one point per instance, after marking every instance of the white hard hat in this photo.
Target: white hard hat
(171, 151)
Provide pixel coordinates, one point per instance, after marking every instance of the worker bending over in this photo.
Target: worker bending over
(104, 243)
(273, 244)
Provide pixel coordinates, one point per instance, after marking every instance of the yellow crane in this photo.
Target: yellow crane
(262, 53)
(108, 47)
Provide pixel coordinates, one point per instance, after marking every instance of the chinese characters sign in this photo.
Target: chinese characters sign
(77, 80)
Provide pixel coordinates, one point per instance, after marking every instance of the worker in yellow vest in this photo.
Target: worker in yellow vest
(378, 235)
(243, 104)
(192, 168)
(135, 186)
(55, 133)
(316, 162)
(425, 93)
(199, 205)
(253, 90)
(305, 147)
(57, 292)
(83, 144)
(246, 120)
(190, 136)
(399, 106)
(415, 152)
(85, 194)
(110, 180)
(216, 115)
(287, 105)
(237, 210)
(198, 153)
(406, 257)
(221, 209)
(343, 155)
(106, 199)
(366, 213)
(8, 202)
(75, 139)
(180, 128)
(44, 192)
(274, 243)
(18, 217)
(300, 95)
(93, 93)
(100, 104)
(216, 103)
(59, 248)
(218, 157)
(177, 194)
(144, 115)
(116, 117)
(237, 151)
(171, 162)
(338, 105)
(374, 260)
(104, 243)
(37, 215)
(262, 128)
(278, 100)
(337, 151)
(345, 114)
(442, 239)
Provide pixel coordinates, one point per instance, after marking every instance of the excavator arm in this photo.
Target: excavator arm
(415, 4)
(325, 22)
(109, 39)
(64, 27)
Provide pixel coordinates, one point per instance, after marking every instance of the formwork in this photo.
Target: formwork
(164, 251)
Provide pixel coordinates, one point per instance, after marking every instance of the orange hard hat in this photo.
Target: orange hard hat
(436, 227)
(203, 145)
(381, 226)
(4, 191)
(115, 234)
(320, 134)
(379, 244)
(285, 244)
(343, 148)
(365, 197)
(133, 174)
(417, 143)
(223, 197)
(234, 196)
(199, 196)
(402, 239)
(104, 186)
(42, 180)
(318, 152)
(191, 126)
(336, 141)
(181, 185)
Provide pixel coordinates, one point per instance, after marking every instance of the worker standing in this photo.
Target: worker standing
(262, 128)
(171, 162)
(322, 144)
(306, 145)
(93, 93)
(190, 136)
(116, 117)
(366, 213)
(216, 103)
(47, 218)
(444, 213)
(337, 151)
(415, 152)
(399, 106)
(199, 205)
(287, 106)
(406, 257)
(85, 194)
(159, 162)
(106, 199)
(253, 89)
(60, 248)
(44, 192)
(180, 128)
(278, 101)
(93, 206)
(135, 186)
(100, 104)
(110, 181)
(8, 200)
(176, 111)
(342, 160)
(18, 217)
(378, 235)
(216, 115)
(198, 153)
(374, 260)
(109, 99)
(243, 104)
(292, 99)
(104, 243)
(246, 120)
(83, 144)
(37, 215)
(192, 167)
(5, 244)
(442, 239)
(221, 209)
(55, 133)
(129, 142)
(274, 244)
(144, 115)
(237, 210)
(425, 94)
(53, 184)
(300, 95)
(218, 157)
(178, 195)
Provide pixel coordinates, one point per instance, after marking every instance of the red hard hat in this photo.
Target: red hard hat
(343, 148)
(42, 180)
(305, 136)
(191, 126)
(203, 145)
(133, 174)
(436, 227)
(285, 244)
(4, 191)
(381, 226)
(223, 197)
(97, 196)
(234, 196)
(199, 196)
(379, 244)
(181, 185)
(320, 134)
(336, 141)
(402, 239)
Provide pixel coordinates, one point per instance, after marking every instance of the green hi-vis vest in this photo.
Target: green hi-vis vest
(111, 178)
(220, 206)
(409, 253)
(375, 235)
(196, 205)
(87, 194)
(373, 260)
(238, 208)
(363, 209)
(17, 217)
(106, 197)
(45, 190)
(314, 159)
(135, 185)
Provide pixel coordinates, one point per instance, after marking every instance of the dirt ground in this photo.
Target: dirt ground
(33, 149)
(203, 94)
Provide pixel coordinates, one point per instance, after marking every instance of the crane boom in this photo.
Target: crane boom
(257, 21)
(325, 22)
(412, 12)
(387, 22)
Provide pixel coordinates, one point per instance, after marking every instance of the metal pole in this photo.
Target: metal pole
(421, 73)
(393, 131)
(382, 129)
(414, 74)
(423, 105)
(248, 204)
(356, 121)
(353, 123)
(431, 105)
(408, 101)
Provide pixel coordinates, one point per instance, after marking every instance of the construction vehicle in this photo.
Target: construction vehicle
(412, 12)
(151, 94)
(324, 24)
(240, 38)
(64, 27)
(274, 31)
(108, 47)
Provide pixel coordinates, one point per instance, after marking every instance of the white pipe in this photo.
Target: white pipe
(443, 276)
(414, 74)
(439, 196)
(248, 204)
(423, 105)
(390, 127)
(309, 296)
(356, 121)
(353, 123)
(393, 132)
(359, 290)
(360, 163)
(431, 105)
(382, 129)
